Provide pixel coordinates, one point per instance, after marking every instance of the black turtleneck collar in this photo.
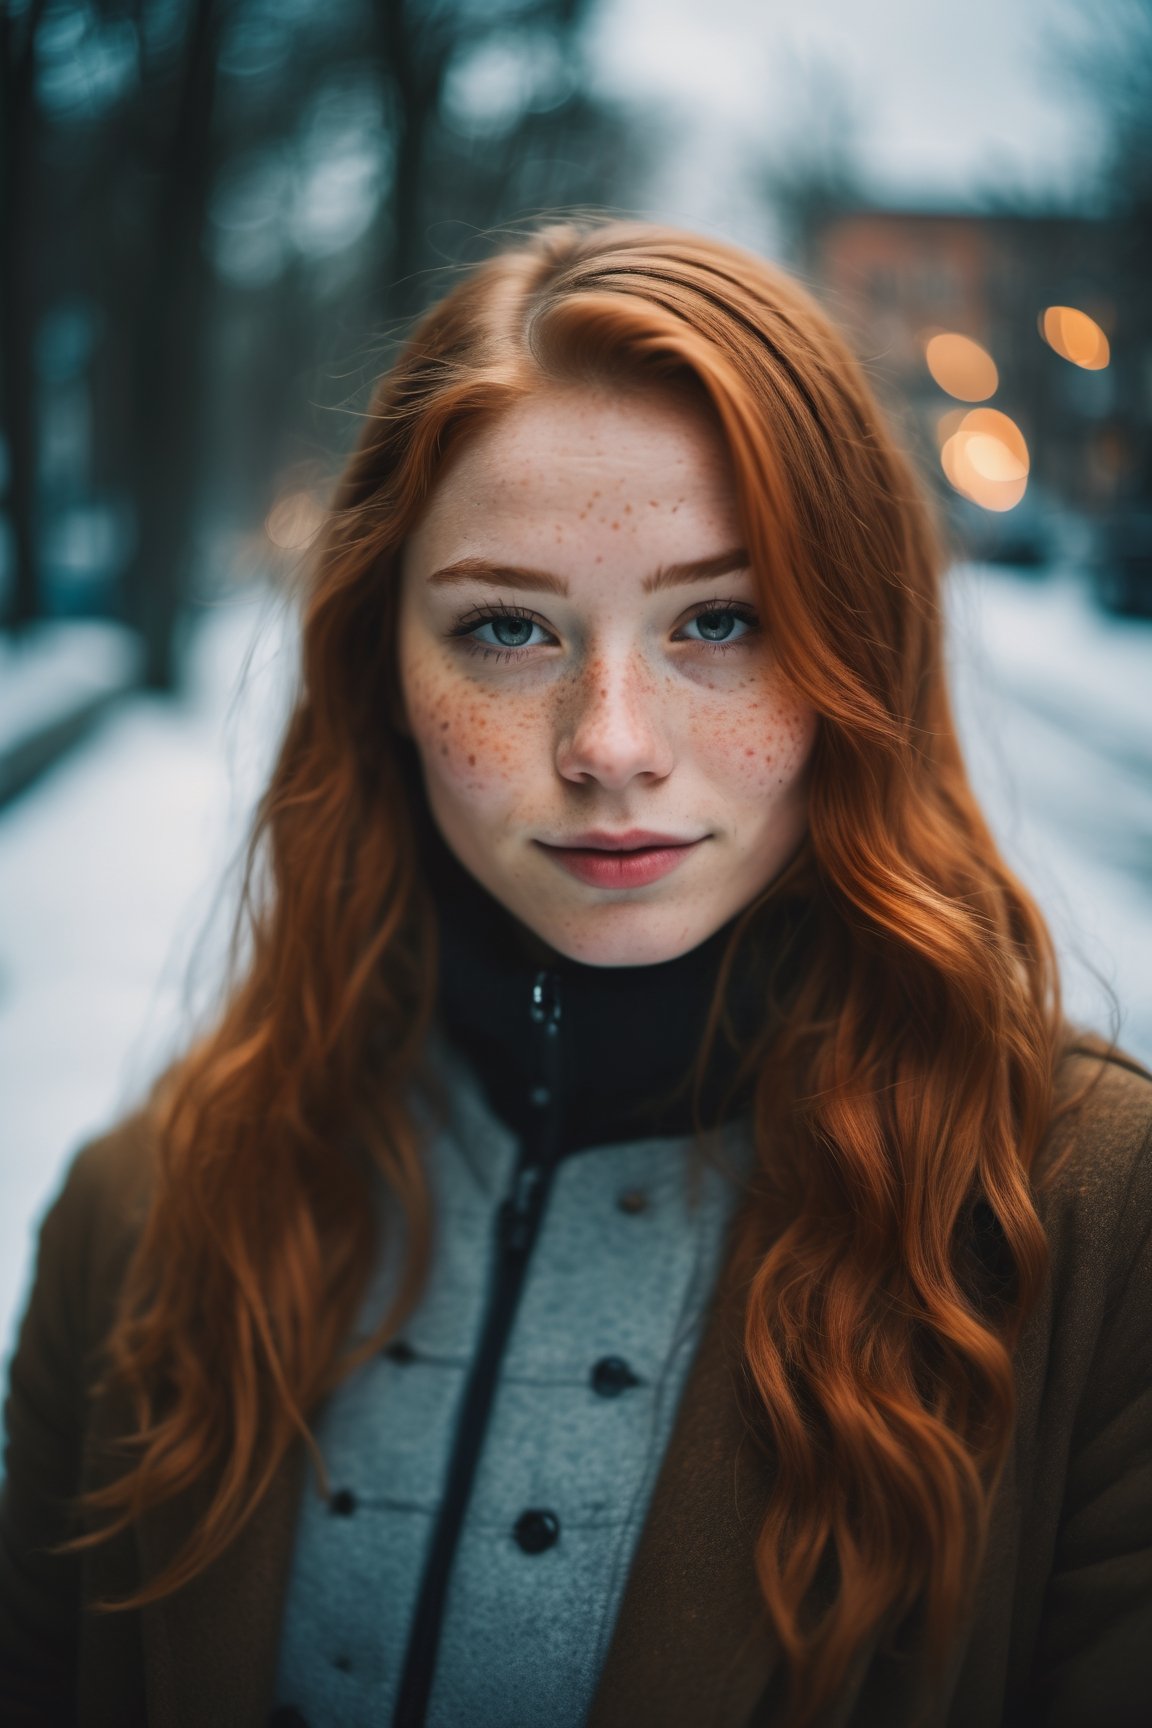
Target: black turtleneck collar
(629, 1034)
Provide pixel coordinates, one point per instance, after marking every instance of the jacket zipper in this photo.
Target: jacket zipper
(517, 1226)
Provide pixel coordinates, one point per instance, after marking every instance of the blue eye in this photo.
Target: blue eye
(512, 629)
(722, 620)
(511, 632)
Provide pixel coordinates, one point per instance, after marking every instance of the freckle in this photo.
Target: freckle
(627, 509)
(599, 557)
(443, 725)
(652, 504)
(749, 752)
(443, 749)
(615, 526)
(471, 761)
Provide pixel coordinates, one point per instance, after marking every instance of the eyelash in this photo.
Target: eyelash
(478, 615)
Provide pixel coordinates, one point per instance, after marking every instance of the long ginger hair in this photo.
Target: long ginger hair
(904, 1074)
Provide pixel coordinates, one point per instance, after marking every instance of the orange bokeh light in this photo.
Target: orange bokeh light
(961, 366)
(986, 459)
(1075, 337)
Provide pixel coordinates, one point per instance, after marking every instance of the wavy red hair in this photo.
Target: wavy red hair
(904, 1074)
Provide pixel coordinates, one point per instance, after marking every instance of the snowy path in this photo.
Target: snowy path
(1054, 701)
(109, 871)
(109, 867)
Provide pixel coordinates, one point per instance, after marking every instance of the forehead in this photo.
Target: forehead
(568, 466)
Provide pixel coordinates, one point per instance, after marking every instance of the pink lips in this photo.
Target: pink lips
(627, 860)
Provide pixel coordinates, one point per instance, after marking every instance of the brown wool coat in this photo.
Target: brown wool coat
(1062, 1634)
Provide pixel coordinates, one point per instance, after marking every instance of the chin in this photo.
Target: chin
(625, 935)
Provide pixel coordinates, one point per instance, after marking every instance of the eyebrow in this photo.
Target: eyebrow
(518, 576)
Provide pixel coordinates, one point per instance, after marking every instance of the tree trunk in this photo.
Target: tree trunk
(170, 354)
(414, 66)
(18, 403)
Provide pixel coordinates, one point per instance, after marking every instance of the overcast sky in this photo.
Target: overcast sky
(953, 98)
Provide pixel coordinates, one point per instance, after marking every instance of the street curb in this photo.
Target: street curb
(24, 760)
(57, 681)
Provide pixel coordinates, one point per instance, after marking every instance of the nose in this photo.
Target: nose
(612, 729)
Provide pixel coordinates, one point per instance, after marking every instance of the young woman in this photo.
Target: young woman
(640, 1244)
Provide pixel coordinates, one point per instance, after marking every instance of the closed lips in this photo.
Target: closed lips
(632, 842)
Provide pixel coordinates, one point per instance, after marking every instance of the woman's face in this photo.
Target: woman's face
(582, 668)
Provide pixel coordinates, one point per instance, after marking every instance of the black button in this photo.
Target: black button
(286, 1716)
(344, 1663)
(632, 1200)
(399, 1351)
(343, 1502)
(611, 1376)
(536, 1531)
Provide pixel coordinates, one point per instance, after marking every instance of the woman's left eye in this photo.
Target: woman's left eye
(716, 623)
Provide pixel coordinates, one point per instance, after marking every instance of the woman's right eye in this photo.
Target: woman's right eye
(511, 633)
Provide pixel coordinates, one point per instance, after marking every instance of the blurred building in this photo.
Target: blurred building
(1008, 345)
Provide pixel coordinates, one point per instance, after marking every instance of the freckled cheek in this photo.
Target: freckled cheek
(761, 750)
(470, 740)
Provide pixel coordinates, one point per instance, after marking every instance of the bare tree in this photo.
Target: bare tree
(417, 42)
(169, 351)
(127, 219)
(813, 171)
(19, 163)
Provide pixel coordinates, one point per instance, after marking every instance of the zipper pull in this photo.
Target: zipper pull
(545, 1013)
(517, 1216)
(545, 1008)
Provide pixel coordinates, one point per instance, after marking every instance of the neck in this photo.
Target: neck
(632, 1034)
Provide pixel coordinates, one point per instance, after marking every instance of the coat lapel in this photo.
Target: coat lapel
(692, 1645)
(210, 1650)
(205, 1657)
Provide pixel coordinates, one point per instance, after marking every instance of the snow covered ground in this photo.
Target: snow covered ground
(112, 917)
(111, 866)
(1054, 702)
(53, 677)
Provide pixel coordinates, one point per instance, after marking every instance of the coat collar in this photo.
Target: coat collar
(630, 1034)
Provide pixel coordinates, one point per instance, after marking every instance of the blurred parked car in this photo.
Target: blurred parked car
(1121, 564)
